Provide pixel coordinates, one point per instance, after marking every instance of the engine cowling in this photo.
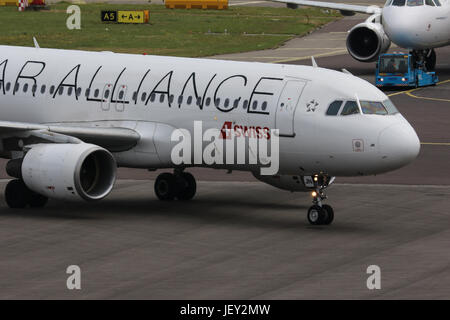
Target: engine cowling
(366, 41)
(69, 171)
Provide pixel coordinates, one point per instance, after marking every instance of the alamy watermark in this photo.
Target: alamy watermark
(73, 22)
(232, 145)
(74, 280)
(374, 280)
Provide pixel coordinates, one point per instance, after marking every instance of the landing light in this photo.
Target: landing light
(381, 79)
(403, 79)
(314, 194)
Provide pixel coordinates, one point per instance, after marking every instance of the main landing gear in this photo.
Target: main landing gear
(18, 196)
(425, 58)
(320, 214)
(179, 185)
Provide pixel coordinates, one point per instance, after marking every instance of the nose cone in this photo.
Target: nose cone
(403, 28)
(399, 146)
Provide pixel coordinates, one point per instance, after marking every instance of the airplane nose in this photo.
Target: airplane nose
(399, 145)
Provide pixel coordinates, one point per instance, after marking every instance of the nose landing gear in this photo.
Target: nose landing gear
(318, 213)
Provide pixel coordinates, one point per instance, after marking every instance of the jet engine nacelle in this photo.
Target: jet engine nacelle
(367, 40)
(284, 182)
(69, 171)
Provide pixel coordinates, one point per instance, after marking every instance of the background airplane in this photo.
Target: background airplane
(416, 25)
(69, 118)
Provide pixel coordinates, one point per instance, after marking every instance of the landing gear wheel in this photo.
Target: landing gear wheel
(36, 200)
(430, 61)
(316, 215)
(329, 214)
(166, 186)
(16, 194)
(187, 186)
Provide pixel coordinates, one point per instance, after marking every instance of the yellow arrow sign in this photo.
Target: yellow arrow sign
(132, 16)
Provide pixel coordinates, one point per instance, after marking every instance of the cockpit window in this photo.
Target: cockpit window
(399, 3)
(415, 3)
(351, 107)
(390, 107)
(430, 3)
(334, 108)
(388, 3)
(372, 107)
(438, 3)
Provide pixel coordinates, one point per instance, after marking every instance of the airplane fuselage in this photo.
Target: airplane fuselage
(154, 95)
(420, 27)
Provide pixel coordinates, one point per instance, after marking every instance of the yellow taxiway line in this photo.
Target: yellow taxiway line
(409, 93)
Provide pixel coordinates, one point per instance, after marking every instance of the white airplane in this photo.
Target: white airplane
(69, 118)
(416, 25)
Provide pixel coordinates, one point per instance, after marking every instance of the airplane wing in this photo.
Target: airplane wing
(335, 6)
(111, 138)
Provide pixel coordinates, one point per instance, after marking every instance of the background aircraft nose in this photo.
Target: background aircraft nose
(399, 145)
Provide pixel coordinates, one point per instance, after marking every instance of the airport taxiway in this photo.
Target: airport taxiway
(241, 239)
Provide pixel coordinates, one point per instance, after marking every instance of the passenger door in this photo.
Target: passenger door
(287, 104)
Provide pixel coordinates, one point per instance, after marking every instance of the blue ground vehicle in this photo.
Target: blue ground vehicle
(400, 70)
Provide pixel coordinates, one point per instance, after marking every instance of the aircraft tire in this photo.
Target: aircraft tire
(187, 186)
(36, 200)
(316, 215)
(329, 214)
(16, 194)
(430, 61)
(166, 186)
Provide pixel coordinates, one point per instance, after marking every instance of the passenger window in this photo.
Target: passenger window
(8, 86)
(371, 107)
(189, 100)
(208, 101)
(264, 106)
(351, 107)
(152, 97)
(334, 108)
(199, 101)
(61, 90)
(34, 88)
(180, 99)
(25, 87)
(121, 94)
(415, 3)
(106, 94)
(52, 89)
(69, 91)
(143, 97)
(43, 89)
(171, 98)
(245, 105)
(217, 102)
(399, 3)
(16, 87)
(161, 98)
(79, 92)
(227, 103)
(135, 96)
(96, 93)
(236, 103)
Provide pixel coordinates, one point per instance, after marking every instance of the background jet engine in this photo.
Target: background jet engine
(366, 41)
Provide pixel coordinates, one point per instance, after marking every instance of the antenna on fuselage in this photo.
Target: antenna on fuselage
(36, 44)
(314, 63)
